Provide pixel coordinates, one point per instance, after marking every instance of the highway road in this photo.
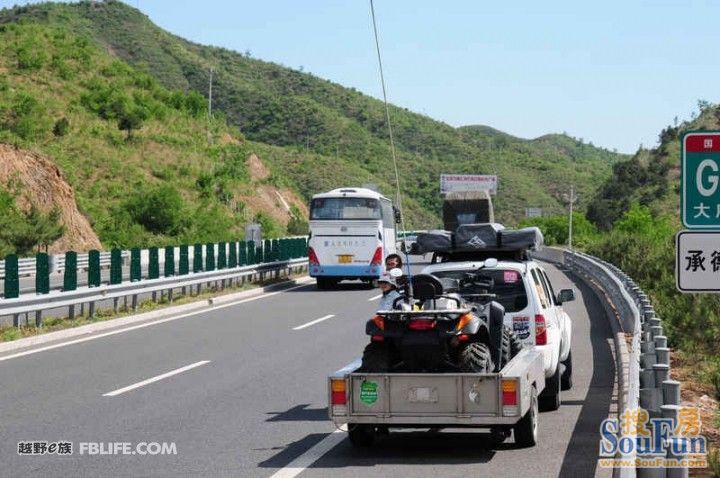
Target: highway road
(241, 391)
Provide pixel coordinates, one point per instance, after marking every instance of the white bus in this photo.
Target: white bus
(352, 230)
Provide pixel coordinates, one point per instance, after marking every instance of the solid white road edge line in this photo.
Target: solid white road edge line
(313, 322)
(301, 463)
(156, 378)
(374, 298)
(146, 324)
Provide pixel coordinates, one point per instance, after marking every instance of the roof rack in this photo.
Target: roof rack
(480, 241)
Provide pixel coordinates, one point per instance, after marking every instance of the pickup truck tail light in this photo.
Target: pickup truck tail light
(337, 388)
(540, 330)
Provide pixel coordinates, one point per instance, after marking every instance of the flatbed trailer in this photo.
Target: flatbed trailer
(502, 401)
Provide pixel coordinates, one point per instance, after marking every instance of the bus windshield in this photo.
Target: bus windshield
(345, 208)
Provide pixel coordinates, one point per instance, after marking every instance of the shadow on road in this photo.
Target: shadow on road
(581, 455)
(300, 413)
(401, 447)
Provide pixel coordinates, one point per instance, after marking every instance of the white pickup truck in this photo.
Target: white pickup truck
(533, 311)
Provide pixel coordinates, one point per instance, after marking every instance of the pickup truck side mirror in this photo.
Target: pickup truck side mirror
(565, 295)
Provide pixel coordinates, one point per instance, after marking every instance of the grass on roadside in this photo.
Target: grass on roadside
(52, 324)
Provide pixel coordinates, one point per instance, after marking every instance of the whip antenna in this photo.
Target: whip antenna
(392, 142)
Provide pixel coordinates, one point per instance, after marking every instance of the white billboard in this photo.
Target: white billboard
(450, 183)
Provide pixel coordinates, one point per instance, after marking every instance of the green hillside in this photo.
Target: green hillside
(344, 130)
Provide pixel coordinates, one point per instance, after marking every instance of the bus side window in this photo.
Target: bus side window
(388, 215)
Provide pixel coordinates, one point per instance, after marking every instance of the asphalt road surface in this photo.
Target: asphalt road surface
(241, 391)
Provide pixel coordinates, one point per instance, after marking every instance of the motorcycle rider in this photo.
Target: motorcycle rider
(388, 285)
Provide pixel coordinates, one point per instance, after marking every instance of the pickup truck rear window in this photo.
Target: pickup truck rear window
(509, 286)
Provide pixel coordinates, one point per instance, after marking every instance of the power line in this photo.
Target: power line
(387, 114)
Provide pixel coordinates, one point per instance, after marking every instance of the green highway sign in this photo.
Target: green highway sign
(700, 169)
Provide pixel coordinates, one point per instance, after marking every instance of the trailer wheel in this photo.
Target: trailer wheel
(550, 397)
(361, 436)
(475, 357)
(526, 430)
(376, 358)
(567, 379)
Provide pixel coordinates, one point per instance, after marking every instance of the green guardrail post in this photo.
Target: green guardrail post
(135, 268)
(116, 266)
(154, 265)
(94, 268)
(70, 272)
(250, 252)
(267, 251)
(242, 254)
(42, 273)
(169, 269)
(275, 255)
(12, 277)
(197, 258)
(232, 254)
(209, 256)
(184, 263)
(222, 256)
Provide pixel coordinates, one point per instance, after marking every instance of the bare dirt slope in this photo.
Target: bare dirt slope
(42, 185)
(268, 198)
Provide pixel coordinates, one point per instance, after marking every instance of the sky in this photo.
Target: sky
(613, 73)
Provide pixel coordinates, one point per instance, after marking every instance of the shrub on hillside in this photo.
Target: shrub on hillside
(160, 210)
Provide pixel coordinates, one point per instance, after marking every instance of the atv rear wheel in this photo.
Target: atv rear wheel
(511, 345)
(475, 358)
(376, 358)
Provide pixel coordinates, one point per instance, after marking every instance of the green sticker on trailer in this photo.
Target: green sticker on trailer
(368, 392)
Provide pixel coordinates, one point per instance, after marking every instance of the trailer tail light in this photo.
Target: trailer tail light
(377, 258)
(510, 397)
(540, 330)
(421, 324)
(312, 257)
(337, 387)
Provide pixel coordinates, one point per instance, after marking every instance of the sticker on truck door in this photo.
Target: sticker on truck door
(521, 327)
(368, 392)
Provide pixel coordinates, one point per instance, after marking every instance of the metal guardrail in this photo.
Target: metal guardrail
(644, 373)
(37, 304)
(27, 266)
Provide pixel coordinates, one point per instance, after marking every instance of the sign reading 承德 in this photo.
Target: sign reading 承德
(697, 261)
(700, 166)
(451, 183)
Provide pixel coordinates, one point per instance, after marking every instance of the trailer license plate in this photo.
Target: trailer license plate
(423, 394)
(345, 258)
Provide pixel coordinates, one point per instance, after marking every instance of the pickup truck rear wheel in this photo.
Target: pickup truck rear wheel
(550, 397)
(475, 357)
(361, 436)
(526, 430)
(376, 358)
(566, 379)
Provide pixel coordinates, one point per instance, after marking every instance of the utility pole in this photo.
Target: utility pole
(572, 200)
(209, 115)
